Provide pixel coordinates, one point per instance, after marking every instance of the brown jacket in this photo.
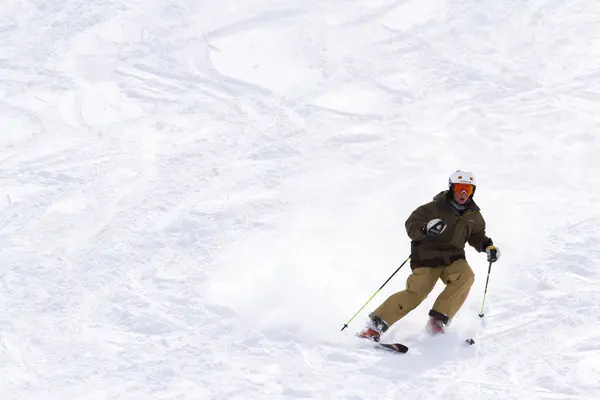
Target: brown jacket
(461, 227)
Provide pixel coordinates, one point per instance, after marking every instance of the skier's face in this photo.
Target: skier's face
(461, 197)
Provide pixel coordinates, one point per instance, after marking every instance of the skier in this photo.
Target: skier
(439, 231)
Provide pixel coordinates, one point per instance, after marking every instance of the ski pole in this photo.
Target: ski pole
(374, 294)
(485, 291)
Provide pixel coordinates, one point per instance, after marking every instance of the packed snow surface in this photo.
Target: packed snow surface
(195, 196)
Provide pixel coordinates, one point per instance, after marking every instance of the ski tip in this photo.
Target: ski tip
(398, 347)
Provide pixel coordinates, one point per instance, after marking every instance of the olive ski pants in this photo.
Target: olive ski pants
(458, 278)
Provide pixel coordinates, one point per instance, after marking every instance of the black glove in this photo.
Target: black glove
(493, 253)
(435, 227)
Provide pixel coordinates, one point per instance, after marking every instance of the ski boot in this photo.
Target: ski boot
(373, 330)
(437, 323)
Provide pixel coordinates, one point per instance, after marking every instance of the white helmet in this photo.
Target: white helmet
(461, 177)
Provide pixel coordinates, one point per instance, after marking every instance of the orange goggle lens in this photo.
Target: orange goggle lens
(463, 187)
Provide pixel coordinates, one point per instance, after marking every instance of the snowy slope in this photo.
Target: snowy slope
(196, 196)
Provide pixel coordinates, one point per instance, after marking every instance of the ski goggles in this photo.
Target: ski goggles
(463, 187)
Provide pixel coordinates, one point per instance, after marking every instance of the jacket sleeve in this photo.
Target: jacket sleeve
(417, 220)
(478, 238)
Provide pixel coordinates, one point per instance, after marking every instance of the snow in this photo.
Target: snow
(196, 196)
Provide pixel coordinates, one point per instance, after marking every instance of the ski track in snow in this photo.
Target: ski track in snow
(195, 198)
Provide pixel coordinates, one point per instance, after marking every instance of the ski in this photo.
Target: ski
(401, 348)
(396, 347)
